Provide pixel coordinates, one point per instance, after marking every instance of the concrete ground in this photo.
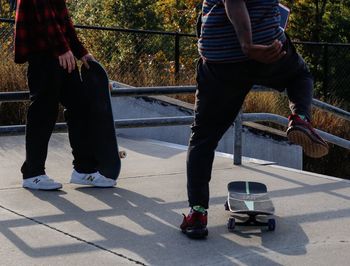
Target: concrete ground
(137, 222)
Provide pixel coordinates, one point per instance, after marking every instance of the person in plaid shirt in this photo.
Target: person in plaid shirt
(45, 38)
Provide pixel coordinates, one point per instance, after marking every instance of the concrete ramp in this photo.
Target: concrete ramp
(137, 222)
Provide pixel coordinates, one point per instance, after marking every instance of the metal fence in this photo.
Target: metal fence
(330, 65)
(134, 57)
(153, 58)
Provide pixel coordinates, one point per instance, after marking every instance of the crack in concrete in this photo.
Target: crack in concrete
(73, 236)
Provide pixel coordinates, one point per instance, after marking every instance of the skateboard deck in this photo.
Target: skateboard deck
(101, 123)
(285, 13)
(250, 199)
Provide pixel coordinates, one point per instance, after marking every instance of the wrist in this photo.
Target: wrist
(83, 56)
(246, 47)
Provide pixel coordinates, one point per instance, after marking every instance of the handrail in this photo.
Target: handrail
(122, 123)
(183, 120)
(186, 120)
(331, 109)
(19, 96)
(168, 90)
(280, 120)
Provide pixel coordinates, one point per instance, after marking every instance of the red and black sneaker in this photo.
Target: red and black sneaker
(194, 225)
(302, 133)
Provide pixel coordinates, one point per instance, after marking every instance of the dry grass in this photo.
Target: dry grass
(12, 78)
(266, 102)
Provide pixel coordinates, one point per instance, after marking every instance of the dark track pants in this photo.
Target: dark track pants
(49, 84)
(221, 90)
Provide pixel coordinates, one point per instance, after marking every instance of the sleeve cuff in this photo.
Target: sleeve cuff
(79, 53)
(62, 49)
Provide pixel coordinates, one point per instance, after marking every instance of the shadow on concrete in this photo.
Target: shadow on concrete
(137, 228)
(304, 188)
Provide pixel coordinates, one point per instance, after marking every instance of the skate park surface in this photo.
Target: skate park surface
(136, 223)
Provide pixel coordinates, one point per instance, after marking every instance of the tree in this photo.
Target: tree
(320, 20)
(178, 15)
(11, 5)
(324, 21)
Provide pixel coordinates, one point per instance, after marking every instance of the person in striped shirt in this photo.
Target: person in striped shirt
(45, 38)
(241, 44)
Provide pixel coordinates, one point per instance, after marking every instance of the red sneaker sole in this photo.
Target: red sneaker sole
(311, 148)
(196, 233)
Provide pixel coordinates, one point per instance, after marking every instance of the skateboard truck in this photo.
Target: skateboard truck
(251, 221)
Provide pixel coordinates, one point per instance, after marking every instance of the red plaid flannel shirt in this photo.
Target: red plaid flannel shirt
(44, 26)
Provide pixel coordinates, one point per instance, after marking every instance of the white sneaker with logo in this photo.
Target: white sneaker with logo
(94, 179)
(41, 182)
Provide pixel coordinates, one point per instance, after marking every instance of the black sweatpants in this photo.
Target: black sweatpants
(49, 84)
(221, 90)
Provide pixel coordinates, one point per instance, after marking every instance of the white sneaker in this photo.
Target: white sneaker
(42, 182)
(94, 179)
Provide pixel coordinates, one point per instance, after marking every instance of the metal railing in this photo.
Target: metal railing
(148, 53)
(185, 120)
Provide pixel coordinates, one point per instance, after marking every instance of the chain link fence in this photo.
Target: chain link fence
(11, 75)
(136, 58)
(330, 66)
(151, 58)
(143, 58)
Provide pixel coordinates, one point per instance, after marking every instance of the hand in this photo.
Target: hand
(86, 58)
(67, 61)
(265, 53)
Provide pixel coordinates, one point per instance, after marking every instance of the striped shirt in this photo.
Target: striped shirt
(218, 41)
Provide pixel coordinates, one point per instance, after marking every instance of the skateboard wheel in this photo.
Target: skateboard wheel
(271, 224)
(231, 223)
(122, 154)
(226, 206)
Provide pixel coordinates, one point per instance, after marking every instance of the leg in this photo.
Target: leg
(292, 73)
(300, 93)
(218, 101)
(43, 83)
(76, 115)
(299, 129)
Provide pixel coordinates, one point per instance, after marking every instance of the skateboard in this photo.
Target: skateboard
(284, 12)
(249, 199)
(101, 122)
